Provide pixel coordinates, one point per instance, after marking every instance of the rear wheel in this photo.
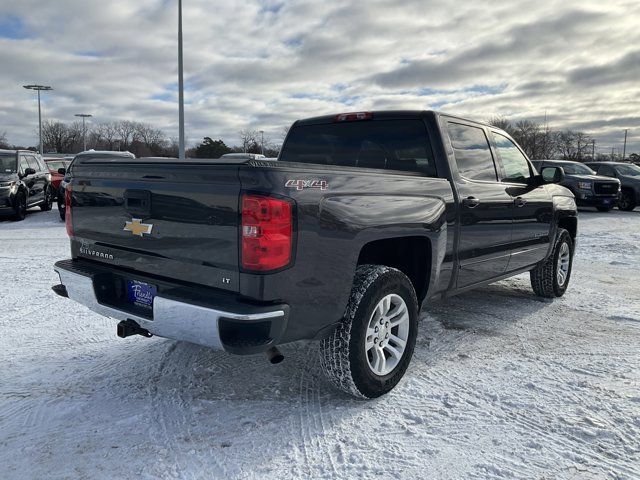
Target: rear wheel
(551, 277)
(20, 207)
(371, 348)
(627, 201)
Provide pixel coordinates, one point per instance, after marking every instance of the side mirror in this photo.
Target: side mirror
(552, 174)
(62, 171)
(29, 171)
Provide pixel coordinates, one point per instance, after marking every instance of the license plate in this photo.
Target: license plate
(141, 294)
(606, 201)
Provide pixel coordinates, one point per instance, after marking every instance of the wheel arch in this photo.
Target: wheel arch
(570, 224)
(412, 255)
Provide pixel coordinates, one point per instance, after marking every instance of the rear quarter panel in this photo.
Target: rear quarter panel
(356, 206)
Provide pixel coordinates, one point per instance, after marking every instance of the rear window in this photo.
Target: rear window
(8, 164)
(385, 144)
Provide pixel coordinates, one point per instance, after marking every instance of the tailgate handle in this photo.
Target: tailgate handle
(138, 202)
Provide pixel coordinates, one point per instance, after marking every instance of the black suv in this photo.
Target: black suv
(590, 190)
(25, 182)
(629, 176)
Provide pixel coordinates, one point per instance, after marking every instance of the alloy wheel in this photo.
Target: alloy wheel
(564, 257)
(387, 334)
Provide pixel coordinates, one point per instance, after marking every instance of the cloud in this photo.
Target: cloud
(264, 63)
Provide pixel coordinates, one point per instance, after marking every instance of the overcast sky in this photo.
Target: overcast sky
(263, 64)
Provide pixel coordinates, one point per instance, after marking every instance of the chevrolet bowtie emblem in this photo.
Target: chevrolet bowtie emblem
(136, 227)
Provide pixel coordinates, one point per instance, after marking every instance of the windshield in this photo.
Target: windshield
(8, 164)
(629, 170)
(576, 169)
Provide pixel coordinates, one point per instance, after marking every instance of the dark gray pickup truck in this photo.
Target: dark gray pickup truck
(363, 218)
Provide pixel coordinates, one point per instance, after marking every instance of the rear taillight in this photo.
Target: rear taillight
(267, 232)
(67, 210)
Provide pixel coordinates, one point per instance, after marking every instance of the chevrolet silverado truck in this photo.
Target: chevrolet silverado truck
(362, 219)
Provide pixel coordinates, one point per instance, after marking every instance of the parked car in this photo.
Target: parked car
(364, 217)
(244, 156)
(629, 176)
(25, 182)
(66, 174)
(590, 190)
(55, 164)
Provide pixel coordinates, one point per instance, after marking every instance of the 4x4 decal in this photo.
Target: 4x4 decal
(302, 184)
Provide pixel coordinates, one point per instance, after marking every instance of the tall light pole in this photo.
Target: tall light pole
(84, 130)
(262, 142)
(624, 149)
(39, 88)
(180, 87)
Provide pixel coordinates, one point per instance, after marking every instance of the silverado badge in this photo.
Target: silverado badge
(136, 227)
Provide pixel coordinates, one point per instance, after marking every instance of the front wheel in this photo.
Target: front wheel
(551, 277)
(47, 203)
(627, 201)
(20, 208)
(370, 350)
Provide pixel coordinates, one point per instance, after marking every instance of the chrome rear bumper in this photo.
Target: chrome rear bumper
(171, 318)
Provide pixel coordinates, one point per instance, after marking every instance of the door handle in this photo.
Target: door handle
(520, 202)
(471, 202)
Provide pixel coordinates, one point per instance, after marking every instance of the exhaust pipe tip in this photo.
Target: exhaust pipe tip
(274, 355)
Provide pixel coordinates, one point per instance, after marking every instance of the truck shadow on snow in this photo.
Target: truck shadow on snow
(488, 310)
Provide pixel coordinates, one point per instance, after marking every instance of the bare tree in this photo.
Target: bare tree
(60, 137)
(283, 133)
(126, 133)
(501, 123)
(572, 145)
(3, 140)
(107, 135)
(249, 139)
(149, 135)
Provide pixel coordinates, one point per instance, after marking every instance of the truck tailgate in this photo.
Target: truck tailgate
(175, 219)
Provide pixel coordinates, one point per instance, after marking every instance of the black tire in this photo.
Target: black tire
(61, 203)
(603, 209)
(627, 201)
(343, 356)
(544, 278)
(47, 203)
(20, 208)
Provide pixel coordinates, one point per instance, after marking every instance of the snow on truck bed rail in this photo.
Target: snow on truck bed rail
(502, 385)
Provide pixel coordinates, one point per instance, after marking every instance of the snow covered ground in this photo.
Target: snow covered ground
(502, 385)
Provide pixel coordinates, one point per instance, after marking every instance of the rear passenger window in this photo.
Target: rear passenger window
(472, 152)
(383, 144)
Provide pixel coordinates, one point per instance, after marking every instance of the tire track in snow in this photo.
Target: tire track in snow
(313, 426)
(158, 412)
(173, 406)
